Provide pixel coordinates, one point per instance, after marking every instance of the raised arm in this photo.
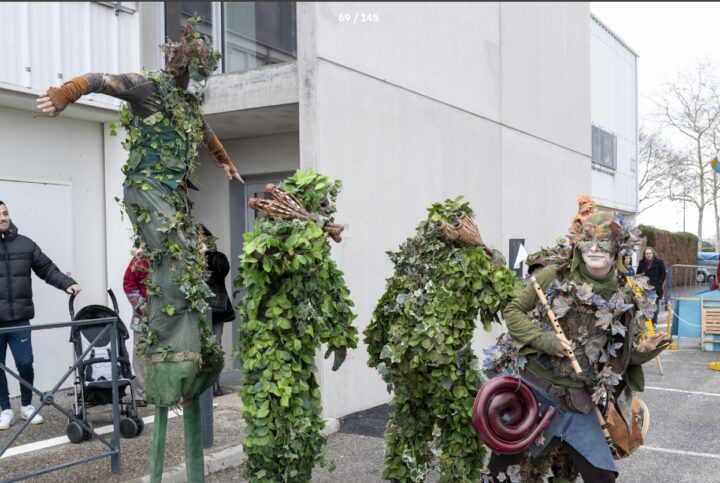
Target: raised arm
(221, 156)
(136, 89)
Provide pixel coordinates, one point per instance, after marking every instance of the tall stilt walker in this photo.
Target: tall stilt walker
(164, 131)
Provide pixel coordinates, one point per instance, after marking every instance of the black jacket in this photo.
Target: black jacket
(219, 267)
(656, 274)
(18, 256)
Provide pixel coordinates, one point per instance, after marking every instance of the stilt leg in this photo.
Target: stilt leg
(194, 464)
(157, 451)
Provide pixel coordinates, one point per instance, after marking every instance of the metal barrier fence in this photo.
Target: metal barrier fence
(48, 398)
(688, 280)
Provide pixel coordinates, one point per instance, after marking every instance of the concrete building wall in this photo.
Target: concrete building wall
(404, 124)
(65, 152)
(51, 42)
(614, 109)
(546, 137)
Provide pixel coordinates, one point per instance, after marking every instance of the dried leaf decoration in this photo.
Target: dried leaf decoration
(561, 305)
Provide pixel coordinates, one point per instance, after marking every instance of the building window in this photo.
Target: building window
(604, 148)
(257, 34)
(178, 13)
(253, 33)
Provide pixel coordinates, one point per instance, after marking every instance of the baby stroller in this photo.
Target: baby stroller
(93, 375)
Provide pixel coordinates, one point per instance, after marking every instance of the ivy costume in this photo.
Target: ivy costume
(419, 341)
(295, 299)
(164, 131)
(604, 318)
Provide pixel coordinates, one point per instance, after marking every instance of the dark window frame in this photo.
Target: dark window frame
(604, 148)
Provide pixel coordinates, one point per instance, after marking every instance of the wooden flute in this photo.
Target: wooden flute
(573, 360)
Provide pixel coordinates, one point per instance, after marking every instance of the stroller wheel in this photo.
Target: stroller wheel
(128, 428)
(75, 432)
(140, 426)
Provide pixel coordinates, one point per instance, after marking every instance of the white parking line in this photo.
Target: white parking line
(681, 452)
(48, 443)
(665, 359)
(668, 389)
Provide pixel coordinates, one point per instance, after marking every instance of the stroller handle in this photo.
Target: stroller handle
(114, 300)
(71, 306)
(71, 303)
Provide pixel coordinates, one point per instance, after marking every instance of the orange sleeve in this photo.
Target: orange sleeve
(68, 93)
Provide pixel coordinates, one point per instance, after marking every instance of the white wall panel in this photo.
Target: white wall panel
(14, 43)
(545, 74)
(44, 41)
(75, 38)
(614, 109)
(59, 40)
(70, 153)
(449, 51)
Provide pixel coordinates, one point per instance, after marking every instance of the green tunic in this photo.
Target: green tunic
(534, 342)
(183, 358)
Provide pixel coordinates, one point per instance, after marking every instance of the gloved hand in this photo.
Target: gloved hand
(340, 354)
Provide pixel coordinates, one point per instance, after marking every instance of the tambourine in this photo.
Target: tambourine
(506, 416)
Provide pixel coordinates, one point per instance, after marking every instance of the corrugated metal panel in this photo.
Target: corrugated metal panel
(614, 109)
(44, 44)
(75, 38)
(128, 42)
(14, 44)
(47, 43)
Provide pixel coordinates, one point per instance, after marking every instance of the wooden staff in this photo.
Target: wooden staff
(573, 360)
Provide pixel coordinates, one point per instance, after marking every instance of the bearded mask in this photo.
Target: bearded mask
(599, 239)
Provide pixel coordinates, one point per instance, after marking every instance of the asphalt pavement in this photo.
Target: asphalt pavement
(681, 445)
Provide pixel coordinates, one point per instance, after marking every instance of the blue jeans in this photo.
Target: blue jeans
(20, 344)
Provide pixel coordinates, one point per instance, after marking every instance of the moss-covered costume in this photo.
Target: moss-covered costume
(295, 299)
(164, 130)
(419, 341)
(184, 359)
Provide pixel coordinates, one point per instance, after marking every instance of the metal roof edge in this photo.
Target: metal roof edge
(613, 34)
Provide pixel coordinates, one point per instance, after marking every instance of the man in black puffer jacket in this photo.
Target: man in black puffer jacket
(18, 256)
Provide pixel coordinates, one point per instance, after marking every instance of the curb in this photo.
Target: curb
(221, 460)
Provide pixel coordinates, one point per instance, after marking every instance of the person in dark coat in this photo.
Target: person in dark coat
(19, 257)
(222, 309)
(653, 268)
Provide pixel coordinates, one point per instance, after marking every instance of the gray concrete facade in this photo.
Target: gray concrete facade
(486, 100)
(407, 104)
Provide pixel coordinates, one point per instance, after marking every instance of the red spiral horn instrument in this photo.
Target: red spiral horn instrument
(506, 417)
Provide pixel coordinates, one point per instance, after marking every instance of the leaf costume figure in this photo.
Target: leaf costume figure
(595, 360)
(419, 341)
(164, 131)
(295, 299)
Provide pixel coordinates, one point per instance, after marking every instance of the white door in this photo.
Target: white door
(42, 211)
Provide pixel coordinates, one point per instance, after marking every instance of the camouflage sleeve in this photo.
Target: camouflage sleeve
(137, 90)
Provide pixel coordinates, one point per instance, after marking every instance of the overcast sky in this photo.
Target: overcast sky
(667, 36)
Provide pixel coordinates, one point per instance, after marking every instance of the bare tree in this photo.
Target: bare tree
(655, 163)
(691, 108)
(715, 190)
